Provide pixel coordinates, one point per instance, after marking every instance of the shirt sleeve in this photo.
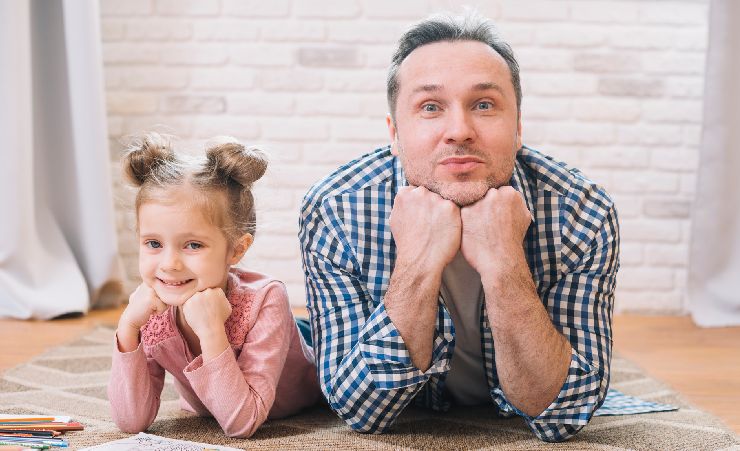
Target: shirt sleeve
(580, 304)
(134, 388)
(239, 393)
(365, 370)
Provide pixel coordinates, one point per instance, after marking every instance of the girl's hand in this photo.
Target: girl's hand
(142, 304)
(206, 312)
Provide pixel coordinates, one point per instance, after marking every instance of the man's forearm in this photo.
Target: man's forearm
(411, 304)
(532, 357)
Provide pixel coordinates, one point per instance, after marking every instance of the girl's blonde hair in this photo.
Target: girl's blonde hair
(223, 181)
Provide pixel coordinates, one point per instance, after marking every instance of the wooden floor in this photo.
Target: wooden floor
(701, 364)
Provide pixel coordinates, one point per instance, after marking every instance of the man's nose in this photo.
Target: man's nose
(459, 127)
(171, 260)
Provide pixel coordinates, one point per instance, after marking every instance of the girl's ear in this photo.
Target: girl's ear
(240, 248)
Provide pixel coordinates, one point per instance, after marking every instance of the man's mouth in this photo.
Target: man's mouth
(461, 164)
(174, 283)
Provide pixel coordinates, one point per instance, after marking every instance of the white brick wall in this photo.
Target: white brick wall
(613, 87)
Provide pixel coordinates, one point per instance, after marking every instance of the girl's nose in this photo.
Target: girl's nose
(171, 261)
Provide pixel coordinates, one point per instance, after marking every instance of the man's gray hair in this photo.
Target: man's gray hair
(444, 27)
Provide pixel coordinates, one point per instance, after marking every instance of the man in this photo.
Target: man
(456, 265)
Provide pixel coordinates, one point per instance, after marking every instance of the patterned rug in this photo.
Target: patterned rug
(71, 380)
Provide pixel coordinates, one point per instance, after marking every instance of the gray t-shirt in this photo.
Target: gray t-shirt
(462, 291)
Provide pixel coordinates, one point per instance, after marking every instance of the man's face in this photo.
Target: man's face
(457, 128)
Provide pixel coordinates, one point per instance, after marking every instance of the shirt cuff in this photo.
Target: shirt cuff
(575, 404)
(384, 352)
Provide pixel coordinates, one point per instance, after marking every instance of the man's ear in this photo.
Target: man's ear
(392, 133)
(240, 248)
(519, 133)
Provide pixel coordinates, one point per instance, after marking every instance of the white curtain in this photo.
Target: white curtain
(714, 273)
(58, 250)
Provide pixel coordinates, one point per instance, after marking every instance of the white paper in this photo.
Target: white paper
(4, 416)
(149, 442)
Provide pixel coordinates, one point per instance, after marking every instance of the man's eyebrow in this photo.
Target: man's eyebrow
(487, 86)
(427, 88)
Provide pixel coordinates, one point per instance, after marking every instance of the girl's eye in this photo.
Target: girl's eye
(484, 105)
(152, 244)
(193, 246)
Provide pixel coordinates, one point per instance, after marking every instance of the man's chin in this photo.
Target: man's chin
(461, 193)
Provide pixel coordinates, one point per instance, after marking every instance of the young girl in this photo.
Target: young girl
(226, 335)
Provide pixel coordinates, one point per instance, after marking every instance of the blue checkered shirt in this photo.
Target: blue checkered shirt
(365, 370)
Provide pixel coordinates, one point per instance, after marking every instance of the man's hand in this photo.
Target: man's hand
(206, 312)
(142, 304)
(425, 227)
(427, 231)
(493, 229)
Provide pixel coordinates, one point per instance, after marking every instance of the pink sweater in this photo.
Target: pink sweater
(267, 371)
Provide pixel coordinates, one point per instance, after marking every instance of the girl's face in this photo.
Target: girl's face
(180, 251)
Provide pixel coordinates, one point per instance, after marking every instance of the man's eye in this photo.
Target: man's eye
(484, 105)
(193, 246)
(430, 108)
(152, 244)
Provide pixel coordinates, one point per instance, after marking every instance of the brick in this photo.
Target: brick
(392, 9)
(295, 129)
(273, 199)
(558, 84)
(374, 105)
(580, 36)
(629, 86)
(616, 157)
(673, 63)
(645, 278)
(359, 129)
(298, 176)
(262, 55)
(673, 110)
(607, 109)
(666, 302)
(113, 77)
(650, 230)
(688, 184)
(667, 208)
(631, 254)
(299, 30)
(255, 8)
(546, 108)
(155, 78)
(376, 57)
(243, 129)
(356, 81)
(677, 14)
(606, 62)
(275, 247)
(188, 7)
(261, 103)
(649, 134)
(548, 60)
(193, 104)
(628, 205)
(226, 30)
(182, 127)
(291, 80)
(604, 12)
(328, 9)
(589, 134)
(685, 87)
(195, 55)
(131, 103)
(517, 34)
(640, 37)
(676, 255)
(168, 29)
(329, 57)
(115, 125)
(674, 159)
(535, 11)
(127, 8)
(655, 182)
(112, 30)
(357, 32)
(221, 78)
(328, 104)
(336, 154)
(283, 153)
(125, 53)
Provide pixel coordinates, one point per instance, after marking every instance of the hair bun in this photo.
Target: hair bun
(231, 160)
(145, 155)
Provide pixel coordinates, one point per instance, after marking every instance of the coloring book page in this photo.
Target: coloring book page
(149, 442)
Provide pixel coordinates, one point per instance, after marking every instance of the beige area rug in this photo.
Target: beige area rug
(71, 380)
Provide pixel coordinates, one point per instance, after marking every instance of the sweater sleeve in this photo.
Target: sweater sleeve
(134, 388)
(239, 392)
